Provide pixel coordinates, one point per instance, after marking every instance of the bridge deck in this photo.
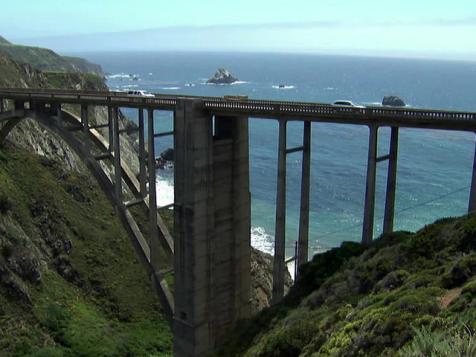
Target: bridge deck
(267, 109)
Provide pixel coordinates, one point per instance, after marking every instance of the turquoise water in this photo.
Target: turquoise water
(434, 168)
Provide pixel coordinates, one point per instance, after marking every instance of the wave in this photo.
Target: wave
(165, 189)
(170, 88)
(262, 240)
(284, 87)
(329, 88)
(225, 84)
(119, 75)
(130, 86)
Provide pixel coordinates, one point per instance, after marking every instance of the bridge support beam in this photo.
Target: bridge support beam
(142, 157)
(153, 230)
(280, 230)
(472, 194)
(109, 128)
(212, 227)
(369, 209)
(303, 240)
(391, 182)
(85, 122)
(117, 156)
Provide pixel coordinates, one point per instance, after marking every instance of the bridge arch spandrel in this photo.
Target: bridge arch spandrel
(57, 127)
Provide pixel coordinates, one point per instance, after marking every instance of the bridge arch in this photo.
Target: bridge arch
(55, 123)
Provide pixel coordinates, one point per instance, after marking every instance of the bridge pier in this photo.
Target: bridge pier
(303, 240)
(472, 194)
(212, 227)
(117, 156)
(391, 182)
(153, 229)
(109, 128)
(142, 156)
(369, 209)
(280, 224)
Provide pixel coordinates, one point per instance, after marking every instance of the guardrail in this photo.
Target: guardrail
(240, 105)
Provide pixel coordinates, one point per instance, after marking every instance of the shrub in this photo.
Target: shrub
(5, 204)
(429, 343)
(462, 270)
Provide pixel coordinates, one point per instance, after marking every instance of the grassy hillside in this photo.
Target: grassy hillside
(70, 281)
(45, 59)
(407, 295)
(3, 41)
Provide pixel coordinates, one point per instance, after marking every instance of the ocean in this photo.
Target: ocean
(434, 167)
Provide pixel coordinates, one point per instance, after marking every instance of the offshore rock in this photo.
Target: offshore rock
(222, 76)
(393, 101)
(168, 154)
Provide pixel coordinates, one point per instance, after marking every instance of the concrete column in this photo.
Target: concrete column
(117, 157)
(212, 227)
(85, 123)
(153, 230)
(280, 230)
(303, 240)
(194, 222)
(85, 118)
(142, 158)
(472, 194)
(109, 128)
(369, 210)
(391, 183)
(231, 243)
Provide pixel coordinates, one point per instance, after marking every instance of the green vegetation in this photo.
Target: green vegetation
(407, 294)
(71, 284)
(45, 59)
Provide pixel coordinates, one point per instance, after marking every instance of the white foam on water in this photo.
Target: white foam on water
(118, 75)
(165, 190)
(264, 242)
(170, 88)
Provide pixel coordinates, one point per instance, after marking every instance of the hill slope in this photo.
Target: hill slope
(46, 60)
(407, 294)
(70, 281)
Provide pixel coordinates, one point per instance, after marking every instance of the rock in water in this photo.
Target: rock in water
(168, 154)
(393, 101)
(222, 76)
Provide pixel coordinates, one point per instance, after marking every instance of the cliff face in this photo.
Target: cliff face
(29, 135)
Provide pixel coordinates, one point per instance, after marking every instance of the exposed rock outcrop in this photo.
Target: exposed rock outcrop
(262, 280)
(393, 101)
(222, 76)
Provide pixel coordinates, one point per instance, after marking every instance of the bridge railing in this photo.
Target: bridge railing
(253, 107)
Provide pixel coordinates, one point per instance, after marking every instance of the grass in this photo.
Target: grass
(93, 297)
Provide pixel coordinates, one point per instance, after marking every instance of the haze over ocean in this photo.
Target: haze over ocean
(434, 167)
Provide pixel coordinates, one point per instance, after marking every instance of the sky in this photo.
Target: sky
(412, 28)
